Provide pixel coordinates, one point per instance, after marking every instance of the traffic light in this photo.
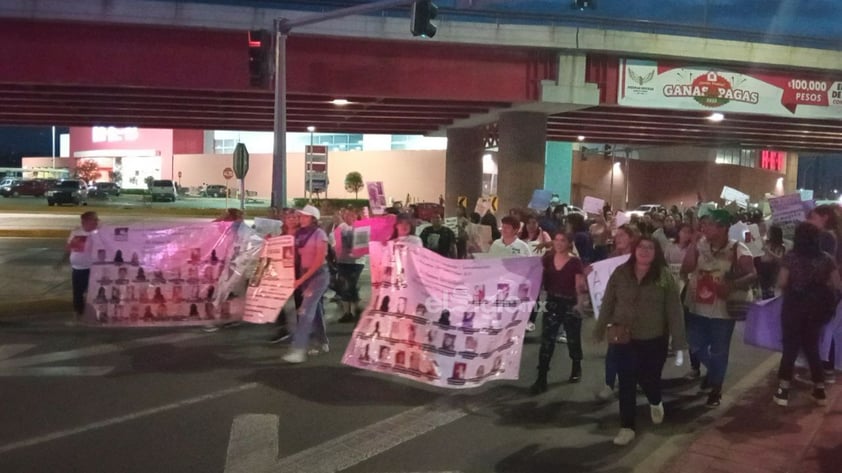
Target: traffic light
(423, 13)
(260, 58)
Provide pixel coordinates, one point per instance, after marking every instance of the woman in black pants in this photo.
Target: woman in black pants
(810, 280)
(640, 310)
(563, 281)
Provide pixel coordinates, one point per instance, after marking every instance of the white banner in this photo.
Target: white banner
(729, 194)
(598, 279)
(146, 275)
(273, 281)
(592, 205)
(444, 322)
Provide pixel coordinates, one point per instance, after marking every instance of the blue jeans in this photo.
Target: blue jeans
(311, 312)
(710, 342)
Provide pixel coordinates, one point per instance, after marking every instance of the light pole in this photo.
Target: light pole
(308, 157)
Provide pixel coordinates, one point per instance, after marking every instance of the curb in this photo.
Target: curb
(26, 308)
(34, 233)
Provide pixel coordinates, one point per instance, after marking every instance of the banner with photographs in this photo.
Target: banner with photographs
(445, 322)
(146, 275)
(273, 281)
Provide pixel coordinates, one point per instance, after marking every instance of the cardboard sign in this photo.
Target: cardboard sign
(729, 194)
(592, 205)
(540, 199)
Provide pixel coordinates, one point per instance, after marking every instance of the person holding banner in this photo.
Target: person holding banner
(810, 282)
(78, 251)
(404, 231)
(290, 226)
(719, 268)
(348, 270)
(311, 257)
(509, 244)
(564, 281)
(640, 310)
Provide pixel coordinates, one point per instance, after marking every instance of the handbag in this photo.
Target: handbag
(618, 334)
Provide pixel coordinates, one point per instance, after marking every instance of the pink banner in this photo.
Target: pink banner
(444, 322)
(273, 281)
(375, 229)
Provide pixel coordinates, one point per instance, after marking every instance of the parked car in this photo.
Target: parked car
(646, 208)
(163, 189)
(68, 191)
(103, 189)
(23, 187)
(215, 190)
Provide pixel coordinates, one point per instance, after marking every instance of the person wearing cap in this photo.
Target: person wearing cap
(312, 278)
(717, 266)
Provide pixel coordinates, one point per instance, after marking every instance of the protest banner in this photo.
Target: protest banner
(371, 229)
(267, 226)
(150, 275)
(784, 202)
(592, 205)
(598, 279)
(540, 199)
(272, 281)
(444, 322)
(376, 197)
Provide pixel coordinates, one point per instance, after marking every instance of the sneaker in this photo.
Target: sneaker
(656, 411)
(802, 378)
(530, 327)
(605, 394)
(323, 348)
(210, 328)
(282, 335)
(562, 338)
(349, 317)
(693, 375)
(820, 396)
(295, 355)
(624, 437)
(781, 396)
(714, 399)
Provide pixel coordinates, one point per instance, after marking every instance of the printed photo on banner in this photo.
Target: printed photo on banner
(444, 322)
(272, 281)
(370, 230)
(376, 197)
(147, 275)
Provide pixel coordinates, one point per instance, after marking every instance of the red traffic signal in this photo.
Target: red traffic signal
(260, 58)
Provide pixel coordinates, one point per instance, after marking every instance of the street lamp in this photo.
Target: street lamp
(309, 159)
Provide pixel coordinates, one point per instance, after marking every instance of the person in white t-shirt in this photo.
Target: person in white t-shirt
(509, 244)
(78, 251)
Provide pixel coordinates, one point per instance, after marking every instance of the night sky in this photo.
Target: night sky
(16, 142)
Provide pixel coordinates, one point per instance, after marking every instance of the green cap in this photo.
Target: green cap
(720, 217)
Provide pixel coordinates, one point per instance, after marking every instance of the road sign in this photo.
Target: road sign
(241, 161)
(315, 168)
(462, 201)
(494, 203)
(227, 173)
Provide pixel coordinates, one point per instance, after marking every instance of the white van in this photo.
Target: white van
(163, 189)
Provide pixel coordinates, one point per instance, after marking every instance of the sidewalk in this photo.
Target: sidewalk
(757, 436)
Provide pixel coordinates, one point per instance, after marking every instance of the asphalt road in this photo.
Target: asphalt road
(79, 399)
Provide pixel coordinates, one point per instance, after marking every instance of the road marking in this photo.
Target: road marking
(95, 350)
(253, 441)
(8, 351)
(125, 418)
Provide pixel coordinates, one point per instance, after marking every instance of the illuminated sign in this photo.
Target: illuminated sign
(772, 160)
(110, 134)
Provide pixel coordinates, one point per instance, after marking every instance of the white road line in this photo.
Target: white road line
(252, 444)
(96, 350)
(121, 419)
(41, 371)
(10, 350)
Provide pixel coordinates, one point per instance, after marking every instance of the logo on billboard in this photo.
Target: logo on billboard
(640, 80)
(712, 90)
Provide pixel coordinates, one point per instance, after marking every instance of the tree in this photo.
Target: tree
(88, 171)
(353, 183)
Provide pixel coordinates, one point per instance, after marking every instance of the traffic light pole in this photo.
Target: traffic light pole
(283, 27)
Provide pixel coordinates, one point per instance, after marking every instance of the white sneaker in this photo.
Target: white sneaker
(323, 348)
(561, 338)
(295, 355)
(624, 437)
(656, 411)
(605, 394)
(530, 327)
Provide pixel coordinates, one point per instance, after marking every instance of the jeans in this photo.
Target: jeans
(639, 362)
(283, 319)
(694, 360)
(559, 312)
(311, 312)
(79, 279)
(710, 342)
(611, 366)
(800, 332)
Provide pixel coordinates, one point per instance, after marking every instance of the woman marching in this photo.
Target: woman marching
(640, 310)
(563, 281)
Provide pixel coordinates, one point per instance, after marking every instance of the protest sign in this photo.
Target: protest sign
(763, 325)
(620, 219)
(598, 279)
(369, 230)
(592, 205)
(540, 199)
(444, 322)
(453, 224)
(272, 281)
(785, 202)
(483, 205)
(479, 238)
(729, 194)
(267, 226)
(376, 197)
(150, 275)
(806, 194)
